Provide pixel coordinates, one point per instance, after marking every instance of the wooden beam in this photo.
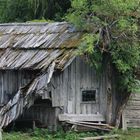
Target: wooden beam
(90, 126)
(97, 124)
(82, 117)
(101, 137)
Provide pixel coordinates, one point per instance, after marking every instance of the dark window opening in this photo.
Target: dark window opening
(88, 95)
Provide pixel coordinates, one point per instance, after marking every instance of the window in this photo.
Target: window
(88, 95)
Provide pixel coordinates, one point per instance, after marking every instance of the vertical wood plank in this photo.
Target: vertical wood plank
(78, 85)
(124, 123)
(69, 84)
(89, 108)
(1, 88)
(65, 89)
(73, 85)
(83, 109)
(61, 89)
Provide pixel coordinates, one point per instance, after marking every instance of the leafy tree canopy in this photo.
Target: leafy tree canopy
(111, 29)
(26, 10)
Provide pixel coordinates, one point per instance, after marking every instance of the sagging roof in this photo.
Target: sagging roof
(37, 45)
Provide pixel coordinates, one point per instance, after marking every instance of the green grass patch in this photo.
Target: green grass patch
(43, 134)
(131, 134)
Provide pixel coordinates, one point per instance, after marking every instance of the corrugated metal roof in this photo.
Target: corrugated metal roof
(36, 45)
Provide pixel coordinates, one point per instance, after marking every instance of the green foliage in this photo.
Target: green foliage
(27, 10)
(15, 10)
(49, 9)
(94, 55)
(44, 134)
(112, 29)
(2, 8)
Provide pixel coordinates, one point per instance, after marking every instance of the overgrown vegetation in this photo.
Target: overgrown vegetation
(43, 134)
(26, 10)
(111, 30)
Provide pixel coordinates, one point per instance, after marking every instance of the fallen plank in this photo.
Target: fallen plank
(98, 124)
(101, 137)
(89, 126)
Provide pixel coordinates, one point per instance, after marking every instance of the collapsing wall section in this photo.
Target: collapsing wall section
(25, 97)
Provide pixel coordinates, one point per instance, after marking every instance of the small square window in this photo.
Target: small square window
(88, 95)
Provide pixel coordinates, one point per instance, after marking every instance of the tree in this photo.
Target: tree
(15, 10)
(111, 37)
(26, 10)
(111, 28)
(2, 7)
(49, 9)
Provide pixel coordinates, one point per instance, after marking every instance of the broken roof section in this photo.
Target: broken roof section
(36, 45)
(45, 46)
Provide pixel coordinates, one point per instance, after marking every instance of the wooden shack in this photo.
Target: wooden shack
(42, 79)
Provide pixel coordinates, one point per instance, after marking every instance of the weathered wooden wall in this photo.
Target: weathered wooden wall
(131, 113)
(66, 92)
(67, 86)
(11, 81)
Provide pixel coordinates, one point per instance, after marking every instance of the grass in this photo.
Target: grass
(132, 134)
(43, 134)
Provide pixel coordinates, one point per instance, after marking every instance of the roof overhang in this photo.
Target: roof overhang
(37, 45)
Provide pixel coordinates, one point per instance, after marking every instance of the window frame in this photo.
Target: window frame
(89, 89)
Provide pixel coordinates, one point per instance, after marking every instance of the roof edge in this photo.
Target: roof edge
(31, 23)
